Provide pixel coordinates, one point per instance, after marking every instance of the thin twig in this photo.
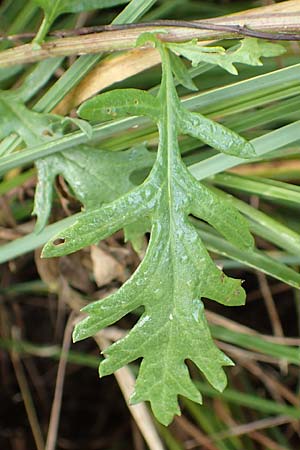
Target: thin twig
(192, 430)
(234, 326)
(266, 441)
(270, 304)
(250, 429)
(26, 396)
(247, 428)
(272, 313)
(56, 405)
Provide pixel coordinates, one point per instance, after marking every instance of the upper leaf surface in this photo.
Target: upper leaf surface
(176, 272)
(120, 103)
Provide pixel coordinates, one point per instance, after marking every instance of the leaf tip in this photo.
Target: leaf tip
(53, 247)
(103, 370)
(76, 334)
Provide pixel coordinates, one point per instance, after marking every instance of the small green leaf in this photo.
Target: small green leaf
(57, 7)
(181, 73)
(83, 125)
(54, 8)
(120, 103)
(249, 52)
(214, 134)
(31, 126)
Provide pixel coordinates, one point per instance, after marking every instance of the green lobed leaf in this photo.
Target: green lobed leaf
(35, 128)
(181, 73)
(95, 176)
(177, 271)
(250, 52)
(31, 126)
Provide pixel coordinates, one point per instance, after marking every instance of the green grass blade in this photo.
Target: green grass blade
(271, 141)
(257, 343)
(251, 258)
(263, 187)
(265, 226)
(250, 401)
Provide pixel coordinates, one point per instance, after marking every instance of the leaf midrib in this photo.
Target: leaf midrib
(171, 141)
(53, 12)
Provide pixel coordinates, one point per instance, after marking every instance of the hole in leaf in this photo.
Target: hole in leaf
(136, 102)
(108, 110)
(59, 241)
(47, 132)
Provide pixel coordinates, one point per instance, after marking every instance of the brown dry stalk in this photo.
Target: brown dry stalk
(260, 424)
(139, 412)
(283, 17)
(109, 71)
(26, 395)
(270, 304)
(234, 326)
(59, 386)
(288, 169)
(194, 431)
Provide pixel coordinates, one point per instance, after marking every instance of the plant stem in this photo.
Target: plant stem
(232, 27)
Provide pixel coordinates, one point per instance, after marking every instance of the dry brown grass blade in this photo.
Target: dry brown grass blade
(241, 353)
(266, 441)
(106, 73)
(250, 427)
(277, 288)
(282, 16)
(269, 169)
(277, 390)
(193, 431)
(139, 412)
(272, 311)
(234, 326)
